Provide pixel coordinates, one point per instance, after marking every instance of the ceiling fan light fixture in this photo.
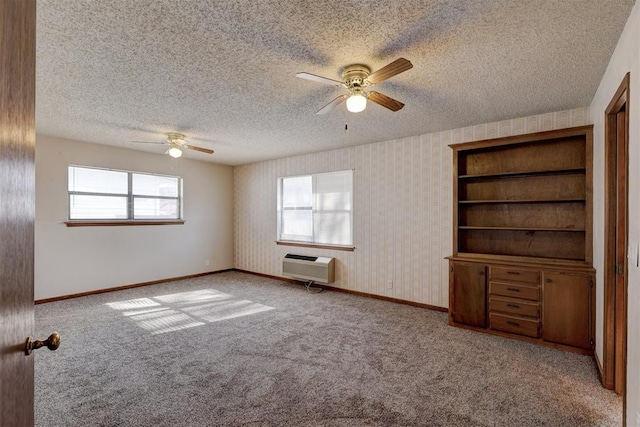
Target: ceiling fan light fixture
(356, 103)
(357, 77)
(175, 152)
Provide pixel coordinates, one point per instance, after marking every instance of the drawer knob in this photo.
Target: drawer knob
(513, 305)
(513, 272)
(513, 289)
(513, 323)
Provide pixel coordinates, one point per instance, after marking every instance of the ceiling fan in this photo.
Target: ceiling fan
(176, 143)
(355, 78)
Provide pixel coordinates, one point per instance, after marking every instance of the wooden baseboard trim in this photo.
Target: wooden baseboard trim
(601, 371)
(121, 288)
(269, 276)
(537, 341)
(348, 291)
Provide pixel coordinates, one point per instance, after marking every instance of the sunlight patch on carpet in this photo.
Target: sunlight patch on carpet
(183, 310)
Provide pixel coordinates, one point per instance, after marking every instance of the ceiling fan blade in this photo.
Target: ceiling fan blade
(319, 79)
(193, 147)
(396, 67)
(151, 142)
(330, 106)
(385, 101)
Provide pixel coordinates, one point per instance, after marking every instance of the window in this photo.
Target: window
(105, 194)
(316, 208)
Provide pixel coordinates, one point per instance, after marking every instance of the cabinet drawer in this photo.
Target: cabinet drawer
(514, 306)
(514, 290)
(515, 325)
(514, 274)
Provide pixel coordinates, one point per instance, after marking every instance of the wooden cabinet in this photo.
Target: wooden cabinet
(567, 312)
(468, 294)
(514, 301)
(515, 325)
(536, 303)
(523, 216)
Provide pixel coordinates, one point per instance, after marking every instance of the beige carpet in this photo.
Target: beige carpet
(234, 349)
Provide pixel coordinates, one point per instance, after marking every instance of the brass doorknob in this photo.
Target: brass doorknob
(52, 343)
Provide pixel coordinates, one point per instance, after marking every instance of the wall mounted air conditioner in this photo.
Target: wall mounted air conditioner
(317, 269)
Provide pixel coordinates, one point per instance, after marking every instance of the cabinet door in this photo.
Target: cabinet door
(566, 309)
(469, 294)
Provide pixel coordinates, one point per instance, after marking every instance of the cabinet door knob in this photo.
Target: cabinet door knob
(481, 273)
(548, 280)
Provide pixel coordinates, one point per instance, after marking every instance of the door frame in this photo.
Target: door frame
(615, 294)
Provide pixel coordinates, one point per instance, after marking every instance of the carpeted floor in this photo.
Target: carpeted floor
(235, 349)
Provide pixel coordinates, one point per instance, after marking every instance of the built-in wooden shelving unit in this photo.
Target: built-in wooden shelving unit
(523, 236)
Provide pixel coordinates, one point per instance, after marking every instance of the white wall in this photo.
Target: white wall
(402, 208)
(71, 260)
(626, 58)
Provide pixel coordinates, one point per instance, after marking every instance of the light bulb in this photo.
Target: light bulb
(356, 103)
(175, 152)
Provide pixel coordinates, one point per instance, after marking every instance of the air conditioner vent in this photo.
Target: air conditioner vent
(301, 257)
(303, 267)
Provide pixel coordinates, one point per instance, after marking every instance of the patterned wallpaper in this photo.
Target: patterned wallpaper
(402, 208)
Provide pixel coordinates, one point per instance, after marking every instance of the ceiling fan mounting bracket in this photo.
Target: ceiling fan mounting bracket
(175, 138)
(354, 76)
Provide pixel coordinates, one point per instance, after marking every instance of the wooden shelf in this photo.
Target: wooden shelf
(526, 196)
(570, 265)
(469, 202)
(524, 174)
(524, 243)
(473, 227)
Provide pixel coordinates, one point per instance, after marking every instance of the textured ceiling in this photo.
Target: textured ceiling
(223, 73)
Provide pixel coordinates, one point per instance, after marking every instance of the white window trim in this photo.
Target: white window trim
(283, 240)
(130, 196)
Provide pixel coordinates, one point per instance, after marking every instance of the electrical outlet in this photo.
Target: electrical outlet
(207, 262)
(390, 284)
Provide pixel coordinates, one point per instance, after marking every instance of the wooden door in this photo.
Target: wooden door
(468, 290)
(17, 208)
(567, 309)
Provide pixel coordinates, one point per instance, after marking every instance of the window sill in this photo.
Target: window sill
(112, 223)
(316, 245)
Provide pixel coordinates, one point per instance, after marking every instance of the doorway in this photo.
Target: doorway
(616, 235)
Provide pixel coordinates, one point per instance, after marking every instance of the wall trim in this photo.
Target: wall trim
(269, 276)
(117, 223)
(316, 245)
(124, 287)
(348, 291)
(600, 369)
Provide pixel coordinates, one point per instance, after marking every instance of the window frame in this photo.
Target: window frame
(130, 197)
(303, 243)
